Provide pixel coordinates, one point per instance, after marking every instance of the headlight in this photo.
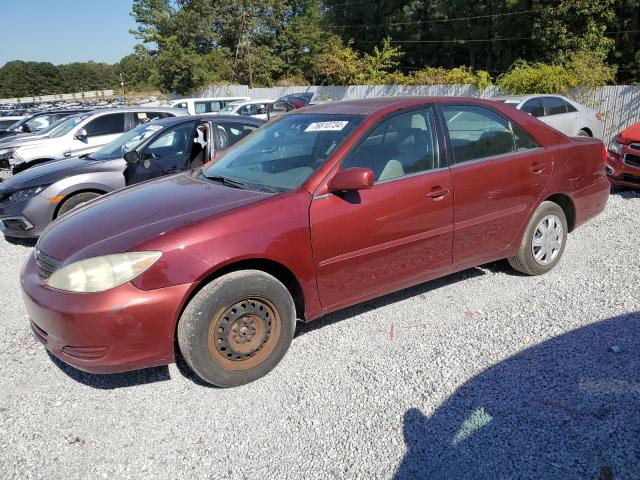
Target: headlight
(615, 147)
(5, 153)
(102, 273)
(26, 193)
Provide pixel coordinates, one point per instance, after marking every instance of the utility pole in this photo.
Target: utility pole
(122, 84)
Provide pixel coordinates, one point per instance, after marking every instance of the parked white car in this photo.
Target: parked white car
(561, 113)
(249, 108)
(196, 106)
(79, 135)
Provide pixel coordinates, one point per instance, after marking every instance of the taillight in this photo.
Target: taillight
(599, 116)
(604, 153)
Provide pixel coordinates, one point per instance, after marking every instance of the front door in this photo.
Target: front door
(100, 131)
(169, 152)
(499, 173)
(373, 241)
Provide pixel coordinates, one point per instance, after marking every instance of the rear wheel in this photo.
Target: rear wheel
(237, 328)
(72, 202)
(584, 133)
(543, 242)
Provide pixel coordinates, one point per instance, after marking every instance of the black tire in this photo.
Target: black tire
(72, 202)
(206, 328)
(525, 262)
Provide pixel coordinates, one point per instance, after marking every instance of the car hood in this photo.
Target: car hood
(119, 221)
(630, 134)
(12, 142)
(45, 174)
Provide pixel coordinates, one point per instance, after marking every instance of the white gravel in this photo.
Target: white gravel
(483, 374)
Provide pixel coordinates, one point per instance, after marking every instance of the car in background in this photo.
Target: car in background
(288, 103)
(8, 120)
(197, 106)
(81, 134)
(30, 200)
(35, 122)
(248, 108)
(623, 158)
(323, 208)
(561, 113)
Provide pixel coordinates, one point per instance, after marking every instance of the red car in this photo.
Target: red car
(323, 208)
(623, 158)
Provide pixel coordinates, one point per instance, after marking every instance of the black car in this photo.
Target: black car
(35, 122)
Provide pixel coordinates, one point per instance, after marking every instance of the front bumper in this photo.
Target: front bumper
(118, 330)
(620, 173)
(26, 218)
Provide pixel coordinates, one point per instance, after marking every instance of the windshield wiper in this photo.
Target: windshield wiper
(229, 182)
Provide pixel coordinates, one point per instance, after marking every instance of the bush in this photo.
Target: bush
(579, 69)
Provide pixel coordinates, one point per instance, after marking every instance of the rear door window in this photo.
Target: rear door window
(208, 106)
(144, 117)
(106, 125)
(554, 106)
(477, 132)
(534, 107)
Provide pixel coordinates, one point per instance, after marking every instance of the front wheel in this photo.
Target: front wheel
(237, 328)
(543, 242)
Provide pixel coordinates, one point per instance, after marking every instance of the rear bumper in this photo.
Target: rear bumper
(592, 200)
(118, 330)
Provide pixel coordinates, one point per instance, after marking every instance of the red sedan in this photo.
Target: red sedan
(322, 208)
(623, 159)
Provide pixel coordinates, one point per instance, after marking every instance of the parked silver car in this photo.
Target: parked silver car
(81, 134)
(561, 113)
(32, 199)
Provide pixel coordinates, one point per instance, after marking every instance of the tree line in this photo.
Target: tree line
(522, 45)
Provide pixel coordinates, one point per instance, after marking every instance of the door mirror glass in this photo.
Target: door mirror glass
(81, 134)
(132, 157)
(351, 179)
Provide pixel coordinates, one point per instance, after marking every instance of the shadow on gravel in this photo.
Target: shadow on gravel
(567, 408)
(379, 302)
(625, 193)
(23, 242)
(113, 380)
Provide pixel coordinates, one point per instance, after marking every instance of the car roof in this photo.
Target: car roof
(370, 106)
(209, 117)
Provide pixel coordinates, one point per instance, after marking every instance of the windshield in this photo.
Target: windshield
(285, 153)
(67, 125)
(230, 108)
(126, 142)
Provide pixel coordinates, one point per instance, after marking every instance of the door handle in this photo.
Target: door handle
(538, 168)
(438, 193)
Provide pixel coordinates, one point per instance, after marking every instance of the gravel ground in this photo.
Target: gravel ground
(483, 374)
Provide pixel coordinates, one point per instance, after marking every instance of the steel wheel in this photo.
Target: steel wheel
(243, 335)
(547, 240)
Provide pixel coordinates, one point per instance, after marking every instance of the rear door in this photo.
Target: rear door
(166, 153)
(558, 116)
(395, 233)
(100, 131)
(499, 173)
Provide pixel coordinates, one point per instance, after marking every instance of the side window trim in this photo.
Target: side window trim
(450, 156)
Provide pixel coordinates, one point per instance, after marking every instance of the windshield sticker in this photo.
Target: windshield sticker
(326, 126)
(142, 115)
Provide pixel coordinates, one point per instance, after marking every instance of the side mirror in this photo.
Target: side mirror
(81, 134)
(132, 157)
(25, 128)
(351, 179)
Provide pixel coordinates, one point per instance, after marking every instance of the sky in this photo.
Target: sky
(63, 31)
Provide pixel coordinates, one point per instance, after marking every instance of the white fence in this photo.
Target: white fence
(60, 97)
(620, 104)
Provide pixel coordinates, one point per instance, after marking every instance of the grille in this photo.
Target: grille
(45, 264)
(633, 160)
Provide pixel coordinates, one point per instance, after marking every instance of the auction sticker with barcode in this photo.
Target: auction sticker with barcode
(326, 126)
